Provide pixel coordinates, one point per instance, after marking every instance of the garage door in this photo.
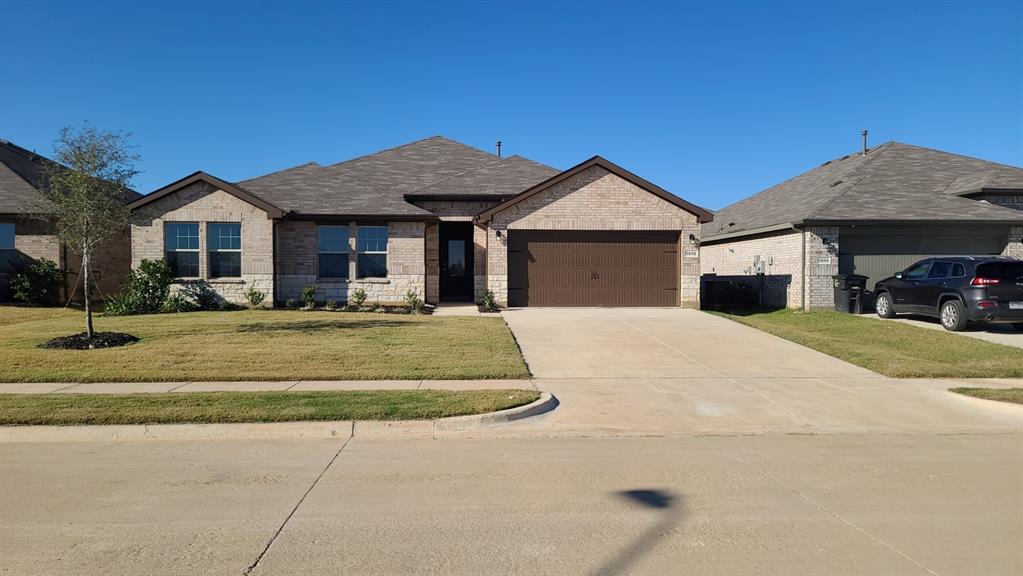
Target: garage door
(593, 268)
(880, 255)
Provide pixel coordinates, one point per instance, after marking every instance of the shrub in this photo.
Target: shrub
(123, 304)
(177, 303)
(254, 297)
(414, 302)
(37, 284)
(333, 305)
(488, 303)
(357, 297)
(202, 295)
(293, 303)
(309, 296)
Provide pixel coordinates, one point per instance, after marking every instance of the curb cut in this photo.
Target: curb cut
(275, 430)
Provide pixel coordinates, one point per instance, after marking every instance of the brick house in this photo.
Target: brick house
(437, 217)
(27, 234)
(874, 213)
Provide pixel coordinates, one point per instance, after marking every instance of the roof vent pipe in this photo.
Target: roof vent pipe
(498, 148)
(864, 142)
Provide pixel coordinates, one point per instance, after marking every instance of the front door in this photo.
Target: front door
(456, 260)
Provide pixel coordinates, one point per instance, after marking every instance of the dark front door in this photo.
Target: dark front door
(456, 259)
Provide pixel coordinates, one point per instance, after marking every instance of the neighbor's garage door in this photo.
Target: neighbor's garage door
(592, 268)
(881, 253)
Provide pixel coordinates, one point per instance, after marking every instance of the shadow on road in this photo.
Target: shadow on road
(671, 514)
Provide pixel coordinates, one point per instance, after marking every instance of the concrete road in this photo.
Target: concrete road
(776, 504)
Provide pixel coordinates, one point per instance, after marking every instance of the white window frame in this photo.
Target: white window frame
(344, 249)
(387, 242)
(197, 250)
(209, 249)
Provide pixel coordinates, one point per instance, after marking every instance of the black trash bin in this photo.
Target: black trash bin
(849, 289)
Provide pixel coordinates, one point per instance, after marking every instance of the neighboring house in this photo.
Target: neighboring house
(437, 217)
(872, 213)
(27, 234)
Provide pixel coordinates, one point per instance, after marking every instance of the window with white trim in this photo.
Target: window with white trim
(181, 247)
(224, 246)
(333, 251)
(372, 245)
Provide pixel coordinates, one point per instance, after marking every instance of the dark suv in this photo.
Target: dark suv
(957, 290)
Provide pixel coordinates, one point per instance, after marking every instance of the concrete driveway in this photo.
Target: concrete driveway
(682, 372)
(995, 333)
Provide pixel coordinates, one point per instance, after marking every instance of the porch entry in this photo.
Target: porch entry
(456, 261)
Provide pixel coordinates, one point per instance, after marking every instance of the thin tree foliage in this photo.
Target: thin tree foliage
(86, 193)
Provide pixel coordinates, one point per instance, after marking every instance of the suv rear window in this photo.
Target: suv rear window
(1003, 270)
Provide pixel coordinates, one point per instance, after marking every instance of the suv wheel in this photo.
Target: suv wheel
(953, 316)
(883, 306)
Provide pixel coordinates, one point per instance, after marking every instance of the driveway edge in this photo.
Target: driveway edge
(275, 430)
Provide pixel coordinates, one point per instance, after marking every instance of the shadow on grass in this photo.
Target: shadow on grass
(644, 542)
(749, 311)
(320, 325)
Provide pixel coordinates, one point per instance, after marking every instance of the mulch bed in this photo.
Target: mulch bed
(99, 340)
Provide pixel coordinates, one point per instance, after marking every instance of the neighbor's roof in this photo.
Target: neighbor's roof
(378, 184)
(22, 174)
(893, 182)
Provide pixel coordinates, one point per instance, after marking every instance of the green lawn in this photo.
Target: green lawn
(1014, 395)
(889, 348)
(213, 407)
(260, 345)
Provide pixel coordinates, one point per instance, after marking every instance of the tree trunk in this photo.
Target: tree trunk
(88, 305)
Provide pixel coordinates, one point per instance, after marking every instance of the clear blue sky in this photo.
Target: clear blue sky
(711, 100)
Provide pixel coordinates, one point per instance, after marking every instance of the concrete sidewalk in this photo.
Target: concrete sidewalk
(284, 386)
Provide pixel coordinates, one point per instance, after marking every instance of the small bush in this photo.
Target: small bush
(254, 297)
(357, 297)
(37, 284)
(488, 303)
(123, 304)
(177, 303)
(414, 302)
(309, 296)
(293, 303)
(145, 290)
(202, 296)
(332, 305)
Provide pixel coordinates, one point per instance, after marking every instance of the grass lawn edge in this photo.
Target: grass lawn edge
(1004, 395)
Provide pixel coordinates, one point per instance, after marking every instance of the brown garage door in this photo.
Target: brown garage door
(592, 268)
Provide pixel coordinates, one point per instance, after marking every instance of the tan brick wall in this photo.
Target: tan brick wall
(35, 239)
(821, 264)
(203, 203)
(298, 263)
(432, 263)
(456, 210)
(782, 254)
(594, 199)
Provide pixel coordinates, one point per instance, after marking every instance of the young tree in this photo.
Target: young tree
(87, 193)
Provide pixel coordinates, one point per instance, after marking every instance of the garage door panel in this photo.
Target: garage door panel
(559, 268)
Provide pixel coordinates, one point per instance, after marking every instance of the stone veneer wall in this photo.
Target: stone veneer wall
(1014, 248)
(203, 203)
(594, 199)
(820, 265)
(298, 263)
(782, 254)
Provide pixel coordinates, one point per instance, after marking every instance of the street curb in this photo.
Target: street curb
(275, 430)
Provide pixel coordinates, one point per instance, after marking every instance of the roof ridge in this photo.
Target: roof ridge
(310, 163)
(460, 174)
(400, 146)
(879, 151)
